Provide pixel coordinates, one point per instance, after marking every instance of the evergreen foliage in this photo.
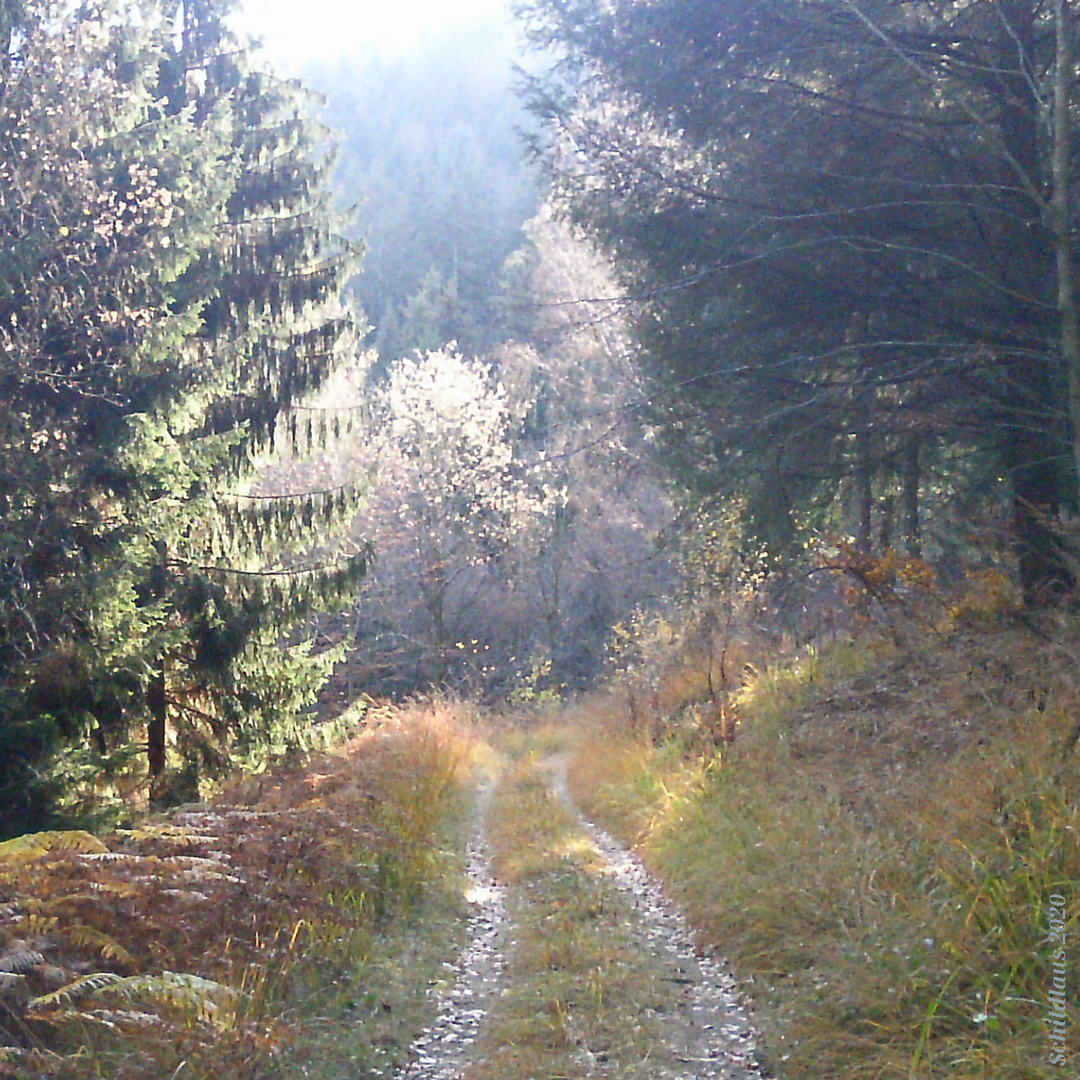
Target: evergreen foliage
(431, 150)
(170, 291)
(841, 223)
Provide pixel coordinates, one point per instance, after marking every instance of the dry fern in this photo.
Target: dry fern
(35, 845)
(194, 997)
(20, 959)
(118, 857)
(86, 937)
(36, 925)
(173, 834)
(83, 987)
(114, 1020)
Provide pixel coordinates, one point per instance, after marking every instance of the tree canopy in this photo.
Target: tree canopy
(170, 291)
(847, 227)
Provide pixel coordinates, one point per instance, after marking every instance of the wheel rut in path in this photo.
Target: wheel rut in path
(439, 1051)
(706, 1031)
(709, 1033)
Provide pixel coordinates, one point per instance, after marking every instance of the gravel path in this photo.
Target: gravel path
(438, 1052)
(709, 1031)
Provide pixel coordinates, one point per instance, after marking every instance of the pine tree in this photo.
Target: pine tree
(170, 292)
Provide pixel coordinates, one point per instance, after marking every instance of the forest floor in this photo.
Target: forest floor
(457, 897)
(425, 904)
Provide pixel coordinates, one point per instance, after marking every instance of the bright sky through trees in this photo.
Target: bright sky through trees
(298, 32)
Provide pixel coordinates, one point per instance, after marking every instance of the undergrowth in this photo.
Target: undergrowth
(256, 937)
(876, 849)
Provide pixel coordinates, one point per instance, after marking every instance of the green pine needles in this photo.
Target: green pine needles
(170, 289)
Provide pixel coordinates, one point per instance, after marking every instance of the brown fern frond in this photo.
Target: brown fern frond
(117, 857)
(193, 996)
(114, 888)
(86, 937)
(174, 834)
(216, 861)
(82, 987)
(37, 925)
(20, 959)
(36, 845)
(113, 1019)
(61, 1016)
(190, 896)
(197, 876)
(120, 1017)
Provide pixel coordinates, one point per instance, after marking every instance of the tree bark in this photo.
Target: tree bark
(1027, 436)
(909, 478)
(156, 728)
(864, 492)
(157, 699)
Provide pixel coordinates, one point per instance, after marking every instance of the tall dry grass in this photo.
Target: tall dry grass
(875, 851)
(237, 939)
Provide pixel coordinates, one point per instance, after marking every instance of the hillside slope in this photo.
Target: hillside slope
(878, 848)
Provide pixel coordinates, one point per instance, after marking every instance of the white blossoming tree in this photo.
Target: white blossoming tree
(452, 494)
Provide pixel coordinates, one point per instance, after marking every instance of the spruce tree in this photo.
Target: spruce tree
(169, 293)
(849, 248)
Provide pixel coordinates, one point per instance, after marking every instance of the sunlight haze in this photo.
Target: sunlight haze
(294, 33)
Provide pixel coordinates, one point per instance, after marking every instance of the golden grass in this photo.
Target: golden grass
(240, 939)
(876, 851)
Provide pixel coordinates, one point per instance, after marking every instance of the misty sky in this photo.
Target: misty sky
(299, 32)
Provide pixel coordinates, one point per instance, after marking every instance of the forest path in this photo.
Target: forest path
(601, 976)
(708, 1031)
(439, 1051)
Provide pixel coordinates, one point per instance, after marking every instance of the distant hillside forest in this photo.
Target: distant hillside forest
(710, 300)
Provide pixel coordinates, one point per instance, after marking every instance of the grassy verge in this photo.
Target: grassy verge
(875, 851)
(294, 935)
(581, 1000)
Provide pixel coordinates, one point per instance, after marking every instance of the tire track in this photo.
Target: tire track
(439, 1052)
(709, 1032)
(704, 1027)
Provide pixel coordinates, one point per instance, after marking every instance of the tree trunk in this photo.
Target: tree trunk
(1028, 438)
(1062, 173)
(157, 700)
(909, 477)
(864, 492)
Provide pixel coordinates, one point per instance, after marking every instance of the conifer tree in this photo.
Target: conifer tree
(850, 227)
(169, 293)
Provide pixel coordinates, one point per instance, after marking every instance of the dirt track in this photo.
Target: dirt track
(703, 1028)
